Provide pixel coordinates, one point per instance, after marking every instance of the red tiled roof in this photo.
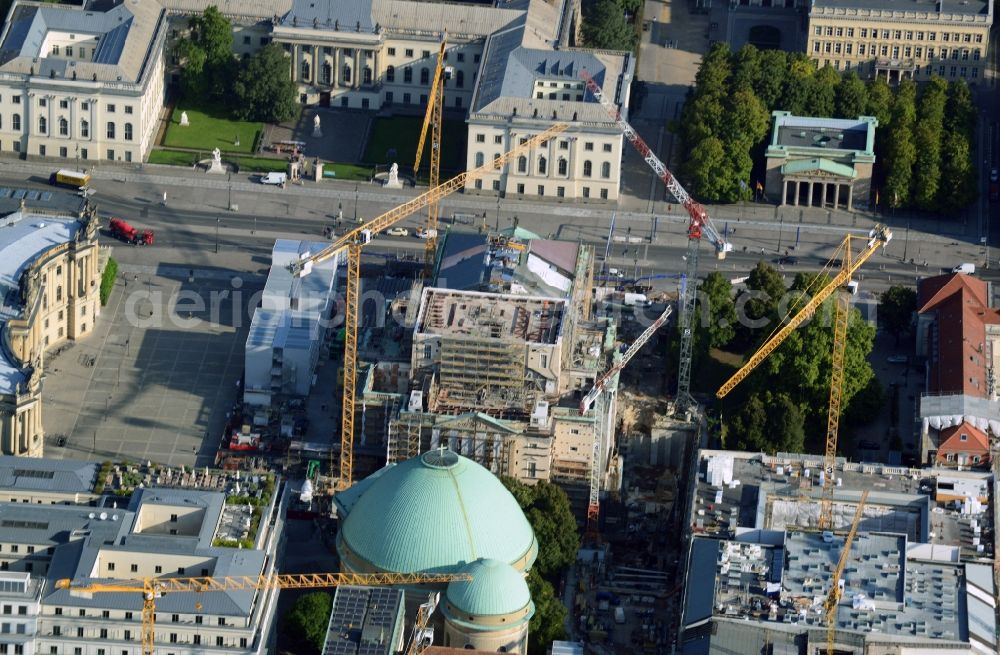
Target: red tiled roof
(956, 345)
(976, 442)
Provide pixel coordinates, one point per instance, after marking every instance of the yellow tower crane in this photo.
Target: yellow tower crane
(352, 242)
(433, 119)
(153, 588)
(850, 262)
(833, 598)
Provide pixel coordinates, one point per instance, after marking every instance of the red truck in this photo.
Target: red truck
(121, 229)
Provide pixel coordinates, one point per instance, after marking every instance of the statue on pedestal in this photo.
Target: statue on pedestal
(317, 133)
(393, 181)
(217, 166)
(184, 119)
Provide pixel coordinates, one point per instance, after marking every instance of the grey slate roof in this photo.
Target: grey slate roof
(967, 7)
(353, 15)
(128, 35)
(30, 473)
(463, 258)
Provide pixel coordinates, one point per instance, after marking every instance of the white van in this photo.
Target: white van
(274, 178)
(966, 268)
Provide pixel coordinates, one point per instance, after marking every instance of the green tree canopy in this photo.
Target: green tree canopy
(958, 175)
(767, 423)
(207, 55)
(717, 311)
(879, 103)
(548, 623)
(773, 71)
(709, 170)
(822, 92)
(852, 96)
(759, 310)
(264, 88)
(549, 513)
(306, 621)
(895, 310)
(605, 27)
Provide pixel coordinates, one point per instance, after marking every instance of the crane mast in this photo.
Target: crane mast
(433, 119)
(352, 242)
(699, 226)
(833, 598)
(594, 504)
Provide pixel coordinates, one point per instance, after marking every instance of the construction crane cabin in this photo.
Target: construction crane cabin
(699, 227)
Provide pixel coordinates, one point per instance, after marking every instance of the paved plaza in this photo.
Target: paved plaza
(155, 380)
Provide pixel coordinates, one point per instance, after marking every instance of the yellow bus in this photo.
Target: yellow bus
(70, 179)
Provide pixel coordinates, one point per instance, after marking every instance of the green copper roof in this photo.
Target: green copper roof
(819, 164)
(436, 512)
(519, 233)
(496, 589)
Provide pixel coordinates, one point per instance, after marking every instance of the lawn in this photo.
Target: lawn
(171, 157)
(402, 133)
(709, 375)
(348, 172)
(351, 172)
(208, 129)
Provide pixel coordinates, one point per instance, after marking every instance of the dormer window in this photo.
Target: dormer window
(963, 437)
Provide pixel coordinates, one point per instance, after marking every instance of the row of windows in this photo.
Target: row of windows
(63, 127)
(82, 154)
(349, 52)
(326, 75)
(563, 144)
(77, 650)
(84, 106)
(970, 72)
(560, 190)
(562, 166)
(898, 35)
(918, 52)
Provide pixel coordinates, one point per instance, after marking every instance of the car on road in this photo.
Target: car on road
(897, 359)
(787, 261)
(276, 179)
(868, 445)
(398, 232)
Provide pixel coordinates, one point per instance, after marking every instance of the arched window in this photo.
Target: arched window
(542, 165)
(480, 159)
(42, 125)
(347, 74)
(111, 130)
(128, 131)
(425, 76)
(85, 129)
(15, 122)
(327, 72)
(606, 170)
(408, 75)
(563, 166)
(305, 71)
(63, 127)
(460, 79)
(390, 74)
(367, 79)
(522, 164)
(588, 168)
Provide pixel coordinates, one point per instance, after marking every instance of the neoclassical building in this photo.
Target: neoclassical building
(505, 74)
(81, 84)
(900, 39)
(820, 162)
(50, 272)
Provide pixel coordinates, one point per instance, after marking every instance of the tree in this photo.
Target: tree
(900, 158)
(207, 55)
(547, 508)
(718, 312)
(773, 71)
(795, 95)
(879, 103)
(306, 621)
(548, 623)
(757, 310)
(605, 27)
(960, 115)
(958, 175)
(746, 69)
(709, 170)
(821, 93)
(264, 88)
(895, 309)
(852, 97)
(927, 172)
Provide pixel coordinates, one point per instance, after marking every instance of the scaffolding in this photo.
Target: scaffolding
(480, 374)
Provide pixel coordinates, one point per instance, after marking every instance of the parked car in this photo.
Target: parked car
(967, 268)
(787, 261)
(898, 359)
(274, 178)
(398, 232)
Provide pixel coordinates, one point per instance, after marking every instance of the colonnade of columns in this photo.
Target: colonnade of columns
(818, 193)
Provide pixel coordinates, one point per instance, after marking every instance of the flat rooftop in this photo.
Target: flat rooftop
(364, 621)
(782, 579)
(746, 491)
(477, 315)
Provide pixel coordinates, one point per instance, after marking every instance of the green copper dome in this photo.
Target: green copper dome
(496, 589)
(437, 512)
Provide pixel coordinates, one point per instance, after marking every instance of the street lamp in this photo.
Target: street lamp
(218, 222)
(355, 203)
(77, 149)
(340, 213)
(229, 179)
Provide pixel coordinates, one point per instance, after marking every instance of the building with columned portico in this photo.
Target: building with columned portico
(820, 162)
